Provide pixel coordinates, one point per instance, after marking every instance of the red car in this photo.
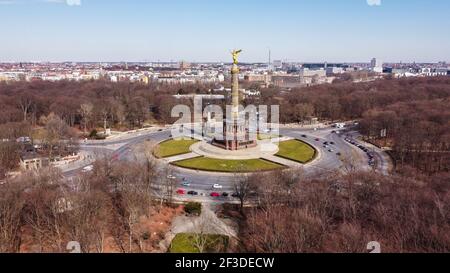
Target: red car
(181, 192)
(215, 194)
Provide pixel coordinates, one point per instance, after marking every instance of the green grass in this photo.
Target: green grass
(296, 150)
(173, 147)
(221, 165)
(185, 243)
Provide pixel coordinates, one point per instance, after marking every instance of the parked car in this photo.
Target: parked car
(225, 194)
(235, 195)
(181, 192)
(87, 169)
(192, 193)
(186, 184)
(332, 143)
(338, 154)
(171, 177)
(217, 186)
(215, 194)
(304, 136)
(317, 139)
(330, 150)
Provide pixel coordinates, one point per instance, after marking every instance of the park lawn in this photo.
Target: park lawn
(185, 243)
(296, 150)
(174, 147)
(222, 165)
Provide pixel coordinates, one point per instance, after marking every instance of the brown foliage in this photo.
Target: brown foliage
(405, 214)
(110, 210)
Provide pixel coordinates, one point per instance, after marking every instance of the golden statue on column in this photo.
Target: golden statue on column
(235, 132)
(235, 54)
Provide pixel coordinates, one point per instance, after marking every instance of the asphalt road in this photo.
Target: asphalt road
(327, 161)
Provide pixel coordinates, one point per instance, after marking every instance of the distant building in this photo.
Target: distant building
(376, 65)
(251, 93)
(277, 64)
(33, 161)
(334, 70)
(287, 81)
(185, 65)
(263, 79)
(144, 80)
(203, 96)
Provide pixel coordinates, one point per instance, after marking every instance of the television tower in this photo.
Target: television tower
(269, 65)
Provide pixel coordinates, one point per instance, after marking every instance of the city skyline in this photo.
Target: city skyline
(198, 31)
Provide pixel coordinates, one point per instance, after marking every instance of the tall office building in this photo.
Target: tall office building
(376, 65)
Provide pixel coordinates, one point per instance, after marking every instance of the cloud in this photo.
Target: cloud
(73, 2)
(68, 2)
(374, 2)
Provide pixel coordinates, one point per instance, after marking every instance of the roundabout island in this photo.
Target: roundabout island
(267, 155)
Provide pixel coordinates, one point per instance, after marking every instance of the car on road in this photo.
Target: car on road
(171, 177)
(325, 143)
(160, 130)
(217, 186)
(338, 154)
(194, 193)
(215, 194)
(330, 150)
(87, 169)
(181, 192)
(225, 194)
(304, 136)
(317, 139)
(332, 143)
(186, 184)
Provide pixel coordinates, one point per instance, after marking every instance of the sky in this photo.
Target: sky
(207, 30)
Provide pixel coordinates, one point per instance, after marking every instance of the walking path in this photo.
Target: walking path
(206, 223)
(282, 161)
(180, 157)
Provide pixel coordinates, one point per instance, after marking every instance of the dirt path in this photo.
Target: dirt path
(207, 223)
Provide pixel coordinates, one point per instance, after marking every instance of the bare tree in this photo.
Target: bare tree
(243, 187)
(58, 135)
(25, 102)
(86, 113)
(12, 205)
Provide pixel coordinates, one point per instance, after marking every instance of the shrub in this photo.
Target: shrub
(193, 208)
(93, 134)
